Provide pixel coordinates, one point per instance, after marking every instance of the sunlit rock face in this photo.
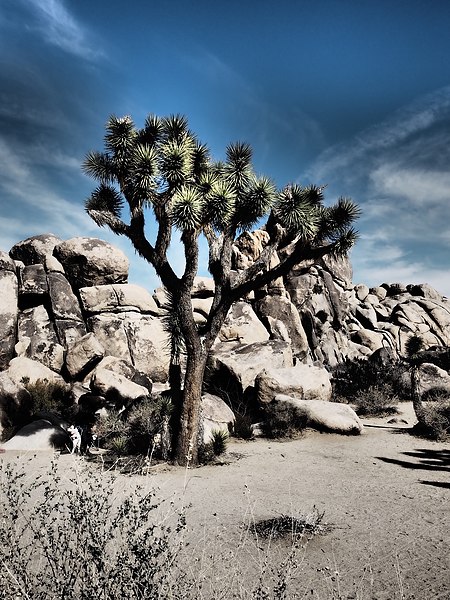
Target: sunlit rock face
(66, 308)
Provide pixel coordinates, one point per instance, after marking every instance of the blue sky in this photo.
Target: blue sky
(352, 94)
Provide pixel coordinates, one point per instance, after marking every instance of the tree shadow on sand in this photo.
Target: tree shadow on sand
(427, 460)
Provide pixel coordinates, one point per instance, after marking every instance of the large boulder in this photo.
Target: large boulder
(317, 414)
(39, 435)
(34, 250)
(33, 283)
(65, 305)
(139, 339)
(233, 368)
(83, 355)
(37, 338)
(22, 369)
(243, 325)
(117, 388)
(282, 309)
(216, 415)
(118, 298)
(90, 261)
(8, 309)
(303, 381)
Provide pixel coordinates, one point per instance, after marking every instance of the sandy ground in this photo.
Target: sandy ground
(385, 495)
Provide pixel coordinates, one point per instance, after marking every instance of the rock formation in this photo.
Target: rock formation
(66, 306)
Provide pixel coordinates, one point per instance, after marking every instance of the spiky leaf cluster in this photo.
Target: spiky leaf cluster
(187, 209)
(299, 210)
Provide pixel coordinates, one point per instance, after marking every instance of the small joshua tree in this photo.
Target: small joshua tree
(162, 174)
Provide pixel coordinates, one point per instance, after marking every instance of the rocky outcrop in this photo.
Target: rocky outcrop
(325, 416)
(89, 261)
(67, 314)
(216, 416)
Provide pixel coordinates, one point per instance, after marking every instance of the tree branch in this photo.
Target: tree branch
(104, 217)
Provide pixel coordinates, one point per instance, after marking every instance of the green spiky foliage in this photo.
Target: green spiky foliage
(161, 174)
(413, 347)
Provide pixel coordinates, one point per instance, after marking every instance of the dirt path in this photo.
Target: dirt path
(385, 494)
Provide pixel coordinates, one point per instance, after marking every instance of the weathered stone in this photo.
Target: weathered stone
(33, 281)
(248, 247)
(202, 305)
(110, 332)
(302, 381)
(112, 385)
(425, 290)
(90, 261)
(8, 315)
(149, 345)
(431, 377)
(139, 339)
(277, 330)
(69, 331)
(118, 298)
(124, 368)
(39, 435)
(7, 263)
(379, 292)
(34, 250)
(203, 287)
(368, 338)
(37, 338)
(324, 416)
(83, 355)
(52, 265)
(366, 315)
(243, 325)
(64, 303)
(283, 310)
(216, 415)
(235, 367)
(160, 297)
(362, 291)
(23, 369)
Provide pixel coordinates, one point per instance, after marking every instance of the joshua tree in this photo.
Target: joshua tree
(414, 345)
(161, 173)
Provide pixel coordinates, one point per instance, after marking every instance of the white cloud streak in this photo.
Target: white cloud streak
(59, 28)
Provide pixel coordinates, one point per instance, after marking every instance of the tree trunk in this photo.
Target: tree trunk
(415, 394)
(186, 452)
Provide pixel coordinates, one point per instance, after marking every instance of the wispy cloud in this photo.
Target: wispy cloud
(58, 27)
(399, 172)
(420, 187)
(408, 121)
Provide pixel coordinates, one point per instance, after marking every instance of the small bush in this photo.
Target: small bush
(243, 427)
(436, 394)
(374, 403)
(290, 526)
(283, 423)
(81, 541)
(435, 421)
(48, 396)
(219, 441)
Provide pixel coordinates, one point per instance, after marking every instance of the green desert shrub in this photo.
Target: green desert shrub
(49, 396)
(435, 421)
(219, 441)
(352, 381)
(84, 541)
(282, 421)
(374, 402)
(140, 431)
(243, 427)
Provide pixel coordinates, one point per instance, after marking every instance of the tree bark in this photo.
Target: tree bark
(188, 436)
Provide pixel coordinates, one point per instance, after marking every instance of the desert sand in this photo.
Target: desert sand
(384, 494)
